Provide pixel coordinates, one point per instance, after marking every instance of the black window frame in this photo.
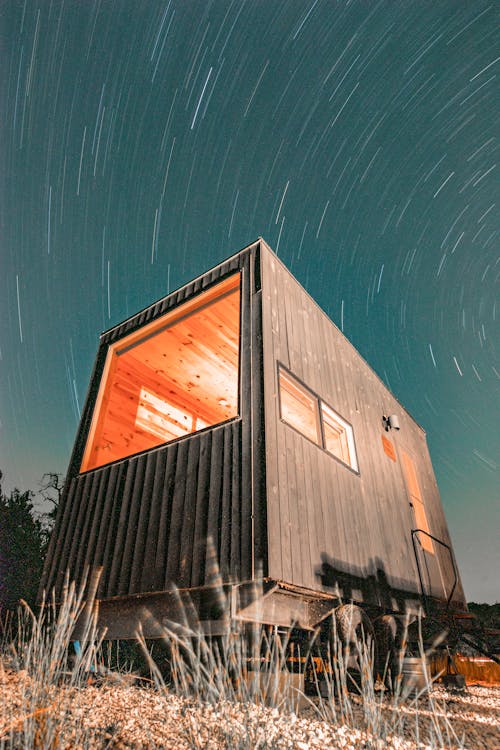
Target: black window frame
(319, 401)
(116, 342)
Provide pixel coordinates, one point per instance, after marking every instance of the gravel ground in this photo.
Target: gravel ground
(121, 715)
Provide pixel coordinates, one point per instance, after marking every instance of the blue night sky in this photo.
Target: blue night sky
(143, 142)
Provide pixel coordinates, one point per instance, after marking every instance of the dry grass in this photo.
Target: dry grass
(234, 692)
(38, 654)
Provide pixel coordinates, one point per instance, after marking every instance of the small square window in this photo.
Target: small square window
(304, 410)
(339, 438)
(299, 407)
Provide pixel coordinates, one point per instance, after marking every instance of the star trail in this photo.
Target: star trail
(142, 143)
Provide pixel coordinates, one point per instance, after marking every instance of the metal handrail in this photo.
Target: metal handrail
(455, 574)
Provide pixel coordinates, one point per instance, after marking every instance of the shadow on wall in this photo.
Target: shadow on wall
(369, 585)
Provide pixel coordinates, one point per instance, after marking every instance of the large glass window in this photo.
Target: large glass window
(307, 413)
(177, 375)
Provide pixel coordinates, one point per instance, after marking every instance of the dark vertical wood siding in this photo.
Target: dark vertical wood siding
(146, 519)
(326, 523)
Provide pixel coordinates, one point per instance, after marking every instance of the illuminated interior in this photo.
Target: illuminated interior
(298, 406)
(305, 411)
(173, 377)
(339, 438)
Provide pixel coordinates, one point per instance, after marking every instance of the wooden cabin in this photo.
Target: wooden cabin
(233, 418)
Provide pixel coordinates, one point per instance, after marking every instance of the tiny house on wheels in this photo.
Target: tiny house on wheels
(233, 421)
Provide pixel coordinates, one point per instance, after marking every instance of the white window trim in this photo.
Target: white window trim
(349, 434)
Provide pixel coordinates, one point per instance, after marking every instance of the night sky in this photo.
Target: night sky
(143, 142)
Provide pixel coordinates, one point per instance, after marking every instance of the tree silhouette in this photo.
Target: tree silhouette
(22, 546)
(51, 488)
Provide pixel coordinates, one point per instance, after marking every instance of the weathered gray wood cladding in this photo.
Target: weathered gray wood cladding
(327, 524)
(146, 519)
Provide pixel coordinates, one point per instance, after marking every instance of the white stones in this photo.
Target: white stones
(124, 716)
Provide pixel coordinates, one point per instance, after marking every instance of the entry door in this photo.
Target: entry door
(427, 550)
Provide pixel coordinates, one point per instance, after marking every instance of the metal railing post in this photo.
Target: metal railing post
(455, 574)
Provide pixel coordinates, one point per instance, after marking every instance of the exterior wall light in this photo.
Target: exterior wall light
(391, 422)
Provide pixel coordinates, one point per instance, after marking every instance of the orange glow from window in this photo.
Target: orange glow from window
(173, 377)
(335, 435)
(417, 501)
(299, 407)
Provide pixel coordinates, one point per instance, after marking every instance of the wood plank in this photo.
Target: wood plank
(111, 536)
(224, 526)
(270, 353)
(76, 529)
(217, 460)
(77, 570)
(148, 580)
(243, 452)
(202, 508)
(90, 537)
(103, 518)
(259, 509)
(316, 527)
(165, 518)
(300, 330)
(237, 543)
(140, 541)
(121, 529)
(177, 513)
(131, 526)
(186, 539)
(285, 466)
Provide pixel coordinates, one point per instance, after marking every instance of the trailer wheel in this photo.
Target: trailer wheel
(353, 625)
(386, 649)
(353, 629)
